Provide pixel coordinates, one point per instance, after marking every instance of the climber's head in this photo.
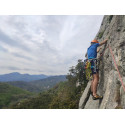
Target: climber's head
(94, 41)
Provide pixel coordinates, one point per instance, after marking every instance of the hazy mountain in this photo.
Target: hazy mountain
(39, 85)
(15, 76)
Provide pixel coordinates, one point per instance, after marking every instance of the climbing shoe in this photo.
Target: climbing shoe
(96, 97)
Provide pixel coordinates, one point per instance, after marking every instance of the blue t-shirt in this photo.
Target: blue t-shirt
(92, 51)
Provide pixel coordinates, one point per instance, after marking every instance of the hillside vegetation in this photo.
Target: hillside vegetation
(10, 94)
(64, 95)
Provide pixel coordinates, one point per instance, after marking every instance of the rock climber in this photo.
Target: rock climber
(92, 57)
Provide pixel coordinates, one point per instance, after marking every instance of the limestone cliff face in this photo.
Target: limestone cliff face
(112, 27)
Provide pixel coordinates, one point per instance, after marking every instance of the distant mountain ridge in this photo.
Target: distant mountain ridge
(15, 76)
(39, 85)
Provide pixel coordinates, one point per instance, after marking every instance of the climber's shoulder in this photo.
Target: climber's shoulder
(96, 44)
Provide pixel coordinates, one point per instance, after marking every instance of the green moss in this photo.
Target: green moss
(100, 34)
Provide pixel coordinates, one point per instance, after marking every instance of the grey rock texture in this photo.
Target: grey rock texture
(85, 96)
(113, 28)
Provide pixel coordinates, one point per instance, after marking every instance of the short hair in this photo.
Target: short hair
(93, 43)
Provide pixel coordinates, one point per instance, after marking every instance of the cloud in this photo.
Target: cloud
(20, 69)
(3, 49)
(22, 56)
(45, 44)
(6, 39)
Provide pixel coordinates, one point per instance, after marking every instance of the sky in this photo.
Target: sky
(42, 44)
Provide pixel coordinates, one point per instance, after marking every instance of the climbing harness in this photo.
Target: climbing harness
(88, 67)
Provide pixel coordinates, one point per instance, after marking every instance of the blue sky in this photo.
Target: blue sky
(45, 44)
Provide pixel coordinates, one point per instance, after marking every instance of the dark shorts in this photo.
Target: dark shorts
(94, 66)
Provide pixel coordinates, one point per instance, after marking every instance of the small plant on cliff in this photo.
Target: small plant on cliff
(100, 34)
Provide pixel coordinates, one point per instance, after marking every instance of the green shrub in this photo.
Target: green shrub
(100, 34)
(10, 94)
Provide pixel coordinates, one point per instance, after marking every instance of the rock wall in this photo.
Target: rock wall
(113, 28)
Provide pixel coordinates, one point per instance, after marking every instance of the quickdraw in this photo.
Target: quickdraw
(88, 71)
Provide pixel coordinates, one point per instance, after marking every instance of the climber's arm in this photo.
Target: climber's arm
(103, 42)
(98, 49)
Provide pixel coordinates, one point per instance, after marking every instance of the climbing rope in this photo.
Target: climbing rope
(115, 64)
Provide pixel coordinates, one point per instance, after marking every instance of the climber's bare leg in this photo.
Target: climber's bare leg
(95, 83)
(98, 76)
(92, 84)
